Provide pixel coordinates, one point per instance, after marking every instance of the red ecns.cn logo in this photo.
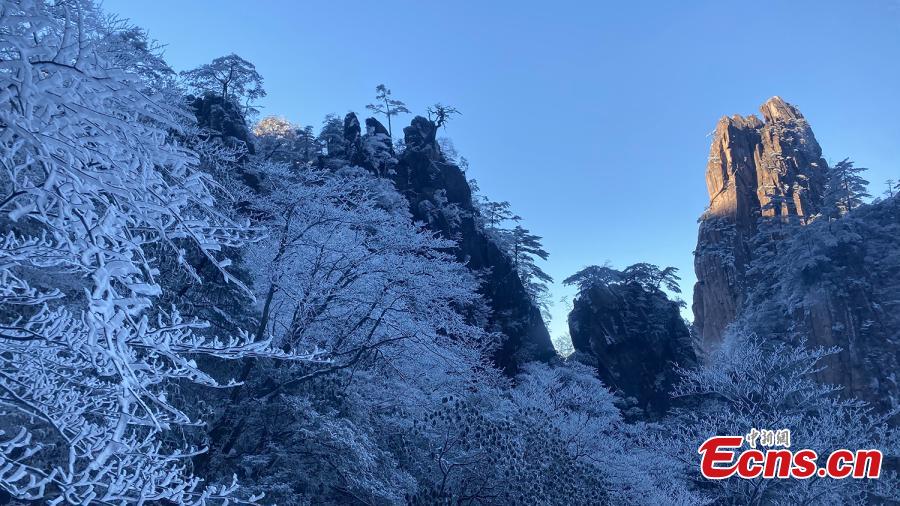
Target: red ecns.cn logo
(720, 459)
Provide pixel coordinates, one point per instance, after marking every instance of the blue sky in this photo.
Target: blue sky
(591, 118)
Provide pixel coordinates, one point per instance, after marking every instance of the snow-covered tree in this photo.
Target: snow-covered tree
(344, 268)
(499, 453)
(571, 399)
(555, 438)
(95, 176)
(230, 77)
(755, 383)
(331, 136)
(845, 189)
(274, 126)
(562, 343)
(130, 48)
(275, 139)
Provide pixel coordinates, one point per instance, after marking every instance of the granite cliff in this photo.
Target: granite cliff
(773, 258)
(440, 197)
(757, 167)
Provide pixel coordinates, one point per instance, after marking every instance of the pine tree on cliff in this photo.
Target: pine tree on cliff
(593, 275)
(524, 248)
(892, 187)
(440, 114)
(494, 214)
(845, 189)
(386, 105)
(230, 77)
(652, 277)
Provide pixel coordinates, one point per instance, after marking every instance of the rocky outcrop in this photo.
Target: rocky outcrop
(222, 118)
(634, 336)
(836, 283)
(768, 167)
(439, 196)
(825, 281)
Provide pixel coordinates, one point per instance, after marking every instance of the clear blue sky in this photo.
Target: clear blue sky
(592, 118)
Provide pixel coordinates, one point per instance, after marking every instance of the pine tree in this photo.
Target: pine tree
(306, 146)
(494, 214)
(845, 189)
(892, 187)
(524, 248)
(649, 276)
(386, 105)
(652, 277)
(331, 136)
(230, 77)
(594, 275)
(440, 114)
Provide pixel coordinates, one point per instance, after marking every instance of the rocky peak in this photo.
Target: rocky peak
(776, 109)
(634, 336)
(421, 136)
(374, 127)
(440, 196)
(372, 151)
(223, 118)
(772, 166)
(352, 129)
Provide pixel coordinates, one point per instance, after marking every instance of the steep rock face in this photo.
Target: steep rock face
(224, 120)
(837, 283)
(439, 196)
(634, 337)
(756, 168)
(821, 281)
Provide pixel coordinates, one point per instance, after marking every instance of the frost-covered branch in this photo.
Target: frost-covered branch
(94, 175)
